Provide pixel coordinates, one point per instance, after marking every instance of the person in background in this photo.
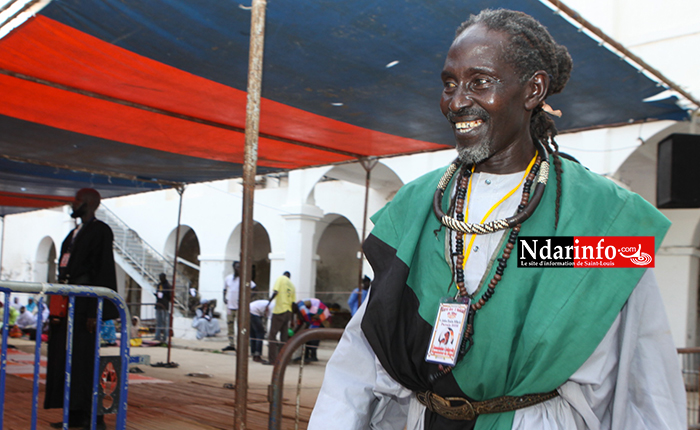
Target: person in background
(16, 303)
(108, 333)
(310, 314)
(193, 301)
(259, 314)
(232, 285)
(31, 305)
(26, 321)
(285, 295)
(163, 291)
(358, 295)
(86, 259)
(14, 314)
(135, 332)
(204, 321)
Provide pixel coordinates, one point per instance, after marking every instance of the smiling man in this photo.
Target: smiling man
(535, 347)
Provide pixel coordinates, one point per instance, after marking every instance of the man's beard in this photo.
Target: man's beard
(474, 154)
(79, 211)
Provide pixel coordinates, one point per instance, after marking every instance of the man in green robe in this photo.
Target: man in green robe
(542, 347)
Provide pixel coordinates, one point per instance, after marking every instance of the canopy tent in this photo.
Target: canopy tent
(131, 95)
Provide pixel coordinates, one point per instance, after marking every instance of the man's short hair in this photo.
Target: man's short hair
(92, 193)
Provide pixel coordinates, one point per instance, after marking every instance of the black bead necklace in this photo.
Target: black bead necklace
(526, 207)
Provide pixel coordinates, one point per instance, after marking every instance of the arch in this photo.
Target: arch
(187, 249)
(45, 267)
(261, 256)
(678, 261)
(383, 179)
(337, 269)
(638, 171)
(169, 247)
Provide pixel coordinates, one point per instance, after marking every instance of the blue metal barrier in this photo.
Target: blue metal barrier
(72, 291)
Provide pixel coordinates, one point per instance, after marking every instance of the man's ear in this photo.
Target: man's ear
(537, 87)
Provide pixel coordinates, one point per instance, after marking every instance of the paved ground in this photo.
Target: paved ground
(203, 362)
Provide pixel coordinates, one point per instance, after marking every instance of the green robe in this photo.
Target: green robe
(541, 324)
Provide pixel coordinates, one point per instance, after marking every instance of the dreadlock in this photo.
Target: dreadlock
(532, 49)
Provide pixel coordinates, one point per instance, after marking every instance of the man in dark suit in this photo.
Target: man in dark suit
(86, 259)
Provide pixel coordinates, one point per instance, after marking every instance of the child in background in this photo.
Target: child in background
(135, 332)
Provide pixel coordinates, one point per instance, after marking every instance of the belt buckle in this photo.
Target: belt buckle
(465, 411)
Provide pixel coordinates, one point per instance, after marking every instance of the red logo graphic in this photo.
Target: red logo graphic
(614, 251)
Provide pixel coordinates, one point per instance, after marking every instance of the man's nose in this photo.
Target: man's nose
(461, 98)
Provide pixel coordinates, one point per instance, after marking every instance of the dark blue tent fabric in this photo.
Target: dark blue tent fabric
(33, 179)
(320, 52)
(327, 57)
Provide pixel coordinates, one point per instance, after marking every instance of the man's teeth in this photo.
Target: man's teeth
(467, 125)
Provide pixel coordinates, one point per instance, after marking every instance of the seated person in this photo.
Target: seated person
(135, 332)
(31, 305)
(14, 314)
(26, 320)
(204, 320)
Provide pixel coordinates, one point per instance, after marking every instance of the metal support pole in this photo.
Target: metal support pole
(3, 356)
(276, 387)
(2, 243)
(252, 130)
(96, 368)
(70, 333)
(368, 164)
(180, 191)
(37, 360)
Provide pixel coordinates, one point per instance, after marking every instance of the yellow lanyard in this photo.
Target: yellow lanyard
(467, 249)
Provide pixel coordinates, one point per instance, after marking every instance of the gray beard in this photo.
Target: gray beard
(474, 155)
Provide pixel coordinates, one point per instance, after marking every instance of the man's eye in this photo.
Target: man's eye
(481, 82)
(449, 85)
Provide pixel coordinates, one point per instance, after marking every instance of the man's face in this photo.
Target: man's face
(79, 205)
(237, 268)
(482, 96)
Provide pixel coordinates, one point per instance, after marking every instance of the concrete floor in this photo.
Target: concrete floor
(201, 363)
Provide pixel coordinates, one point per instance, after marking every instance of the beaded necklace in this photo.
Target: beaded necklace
(461, 209)
(538, 172)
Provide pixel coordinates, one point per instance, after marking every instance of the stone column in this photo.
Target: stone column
(299, 258)
(213, 269)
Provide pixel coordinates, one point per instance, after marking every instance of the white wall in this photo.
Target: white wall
(665, 34)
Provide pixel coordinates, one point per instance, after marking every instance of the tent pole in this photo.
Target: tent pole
(2, 243)
(252, 130)
(180, 191)
(368, 164)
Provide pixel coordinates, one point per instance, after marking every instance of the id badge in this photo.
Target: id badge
(447, 333)
(64, 260)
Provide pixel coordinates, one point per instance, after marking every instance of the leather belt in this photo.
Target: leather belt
(458, 408)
